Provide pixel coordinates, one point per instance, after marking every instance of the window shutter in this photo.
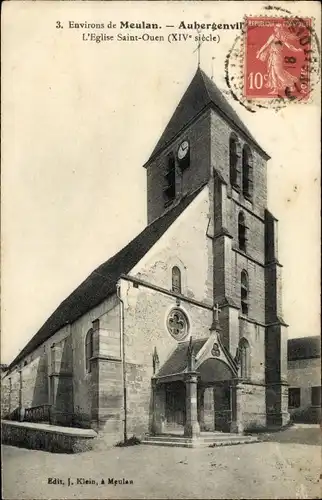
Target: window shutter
(238, 163)
(250, 177)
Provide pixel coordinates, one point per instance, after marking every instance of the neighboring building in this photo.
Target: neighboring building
(138, 346)
(304, 378)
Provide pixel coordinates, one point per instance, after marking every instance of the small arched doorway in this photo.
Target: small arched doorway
(215, 395)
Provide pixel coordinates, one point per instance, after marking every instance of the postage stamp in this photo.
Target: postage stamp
(277, 57)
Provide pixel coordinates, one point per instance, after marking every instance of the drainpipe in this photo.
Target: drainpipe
(20, 395)
(118, 291)
(10, 389)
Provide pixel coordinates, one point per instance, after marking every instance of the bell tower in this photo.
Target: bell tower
(205, 142)
(180, 161)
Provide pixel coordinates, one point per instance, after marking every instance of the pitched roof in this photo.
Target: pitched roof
(102, 282)
(201, 93)
(304, 348)
(177, 362)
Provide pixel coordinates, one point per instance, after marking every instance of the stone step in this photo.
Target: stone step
(173, 439)
(188, 440)
(226, 437)
(220, 436)
(178, 444)
(184, 442)
(241, 440)
(198, 444)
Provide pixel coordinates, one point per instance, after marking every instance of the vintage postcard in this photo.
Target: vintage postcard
(160, 332)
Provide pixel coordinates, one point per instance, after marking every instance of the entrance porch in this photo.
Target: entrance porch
(196, 391)
(214, 406)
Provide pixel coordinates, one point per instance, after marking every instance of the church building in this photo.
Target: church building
(182, 329)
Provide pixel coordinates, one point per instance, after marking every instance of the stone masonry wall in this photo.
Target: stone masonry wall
(234, 260)
(86, 385)
(305, 374)
(253, 407)
(35, 381)
(35, 372)
(187, 246)
(5, 396)
(256, 338)
(145, 328)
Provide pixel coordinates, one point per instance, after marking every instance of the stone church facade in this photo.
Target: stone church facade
(183, 328)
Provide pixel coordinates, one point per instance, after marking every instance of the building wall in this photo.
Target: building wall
(61, 380)
(34, 382)
(253, 408)
(55, 372)
(255, 335)
(185, 244)
(146, 312)
(86, 384)
(305, 374)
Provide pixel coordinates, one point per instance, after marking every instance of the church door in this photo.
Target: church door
(222, 407)
(175, 409)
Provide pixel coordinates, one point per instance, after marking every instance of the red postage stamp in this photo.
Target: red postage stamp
(277, 58)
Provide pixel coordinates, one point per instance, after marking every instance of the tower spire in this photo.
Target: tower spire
(212, 67)
(197, 49)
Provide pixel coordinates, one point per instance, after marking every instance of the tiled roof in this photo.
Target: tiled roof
(201, 93)
(304, 348)
(102, 282)
(177, 362)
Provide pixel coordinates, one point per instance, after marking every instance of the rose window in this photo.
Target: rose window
(177, 324)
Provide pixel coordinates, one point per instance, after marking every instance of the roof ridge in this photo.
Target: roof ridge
(203, 75)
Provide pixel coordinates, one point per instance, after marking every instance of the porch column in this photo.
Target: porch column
(158, 418)
(236, 408)
(191, 428)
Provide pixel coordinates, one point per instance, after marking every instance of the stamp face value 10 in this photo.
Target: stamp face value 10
(277, 58)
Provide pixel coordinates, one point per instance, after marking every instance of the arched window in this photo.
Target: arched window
(247, 172)
(242, 232)
(244, 358)
(176, 279)
(234, 155)
(244, 293)
(88, 349)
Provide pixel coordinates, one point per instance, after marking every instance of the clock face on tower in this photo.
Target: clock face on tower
(183, 150)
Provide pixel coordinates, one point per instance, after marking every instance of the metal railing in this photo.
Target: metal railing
(41, 413)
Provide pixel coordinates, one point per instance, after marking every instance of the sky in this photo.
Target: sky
(79, 121)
